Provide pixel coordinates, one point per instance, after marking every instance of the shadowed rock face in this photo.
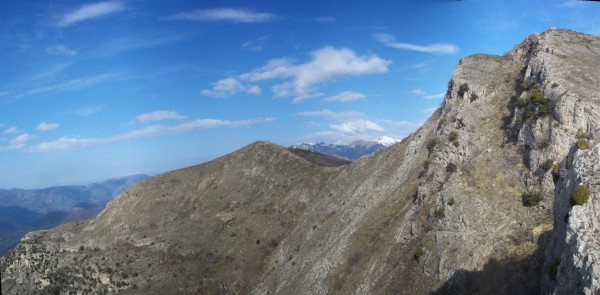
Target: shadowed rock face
(440, 212)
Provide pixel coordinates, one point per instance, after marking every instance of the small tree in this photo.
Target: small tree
(451, 167)
(532, 198)
(431, 145)
(464, 88)
(580, 195)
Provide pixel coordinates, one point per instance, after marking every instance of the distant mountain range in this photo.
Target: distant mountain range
(352, 151)
(22, 210)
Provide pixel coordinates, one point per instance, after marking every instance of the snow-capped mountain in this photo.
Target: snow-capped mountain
(351, 151)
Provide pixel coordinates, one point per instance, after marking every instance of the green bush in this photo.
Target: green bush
(418, 253)
(452, 201)
(581, 134)
(451, 167)
(522, 102)
(464, 88)
(532, 198)
(569, 162)
(554, 85)
(547, 165)
(431, 145)
(473, 97)
(440, 213)
(526, 85)
(580, 195)
(426, 165)
(583, 144)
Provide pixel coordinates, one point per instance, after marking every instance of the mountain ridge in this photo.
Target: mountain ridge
(443, 211)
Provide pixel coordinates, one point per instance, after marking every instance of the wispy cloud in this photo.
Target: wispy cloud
(90, 11)
(346, 96)
(159, 116)
(17, 143)
(61, 50)
(435, 96)
(423, 67)
(123, 44)
(256, 45)
(329, 114)
(11, 130)
(235, 15)
(46, 126)
(86, 111)
(326, 64)
(70, 85)
(417, 91)
(573, 3)
(230, 86)
(69, 143)
(437, 48)
(357, 127)
(420, 92)
(324, 19)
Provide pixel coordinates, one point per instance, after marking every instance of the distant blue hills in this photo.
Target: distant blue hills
(22, 210)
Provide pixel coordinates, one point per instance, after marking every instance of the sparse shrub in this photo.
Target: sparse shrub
(554, 85)
(532, 198)
(441, 123)
(580, 195)
(440, 213)
(581, 134)
(459, 123)
(583, 144)
(544, 144)
(418, 253)
(451, 202)
(431, 145)
(526, 85)
(451, 167)
(453, 136)
(545, 109)
(553, 270)
(569, 162)
(547, 165)
(464, 88)
(426, 165)
(81, 248)
(555, 172)
(473, 97)
(522, 102)
(422, 173)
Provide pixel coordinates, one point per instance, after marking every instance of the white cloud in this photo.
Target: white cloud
(46, 126)
(357, 127)
(346, 96)
(329, 114)
(429, 110)
(324, 19)
(17, 142)
(326, 64)
(435, 96)
(91, 11)
(69, 143)
(423, 66)
(86, 111)
(235, 15)
(437, 48)
(572, 3)
(11, 130)
(159, 116)
(418, 91)
(61, 50)
(230, 86)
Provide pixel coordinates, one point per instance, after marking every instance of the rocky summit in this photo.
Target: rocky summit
(495, 194)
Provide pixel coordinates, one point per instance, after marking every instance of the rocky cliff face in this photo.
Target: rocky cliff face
(465, 205)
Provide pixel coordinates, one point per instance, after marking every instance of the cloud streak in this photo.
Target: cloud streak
(437, 48)
(234, 15)
(70, 85)
(346, 96)
(61, 50)
(159, 116)
(329, 114)
(90, 11)
(70, 143)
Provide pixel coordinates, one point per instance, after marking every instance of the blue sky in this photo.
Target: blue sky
(93, 90)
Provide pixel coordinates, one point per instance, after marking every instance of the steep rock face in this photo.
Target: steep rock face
(440, 212)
